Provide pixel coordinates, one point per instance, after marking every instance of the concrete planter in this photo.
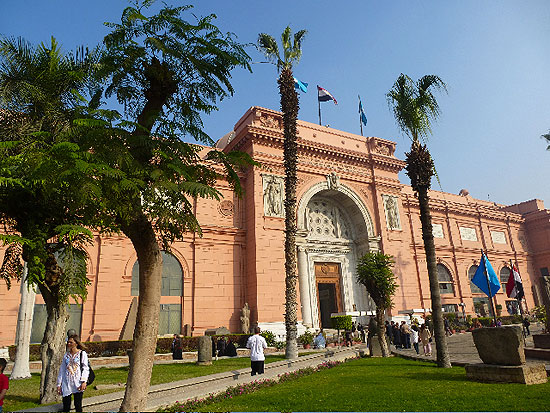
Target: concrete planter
(541, 340)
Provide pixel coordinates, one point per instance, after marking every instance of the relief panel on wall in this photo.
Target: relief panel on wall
(468, 234)
(498, 237)
(273, 193)
(392, 212)
(437, 230)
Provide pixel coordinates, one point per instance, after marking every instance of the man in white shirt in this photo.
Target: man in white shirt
(256, 344)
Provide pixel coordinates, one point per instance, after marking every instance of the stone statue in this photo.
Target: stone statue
(391, 208)
(333, 180)
(245, 319)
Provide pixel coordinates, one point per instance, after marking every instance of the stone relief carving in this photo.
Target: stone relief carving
(383, 148)
(325, 220)
(226, 208)
(333, 180)
(270, 122)
(468, 234)
(273, 187)
(392, 212)
(245, 319)
(498, 237)
(437, 230)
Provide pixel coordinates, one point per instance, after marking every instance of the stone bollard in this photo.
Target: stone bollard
(205, 351)
(374, 346)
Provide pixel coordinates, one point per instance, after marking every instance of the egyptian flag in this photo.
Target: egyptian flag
(514, 286)
(323, 95)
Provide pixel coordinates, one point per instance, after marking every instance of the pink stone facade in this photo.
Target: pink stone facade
(350, 201)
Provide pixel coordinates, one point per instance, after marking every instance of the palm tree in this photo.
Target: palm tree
(292, 51)
(414, 107)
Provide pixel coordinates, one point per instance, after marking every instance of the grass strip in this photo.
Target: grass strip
(384, 384)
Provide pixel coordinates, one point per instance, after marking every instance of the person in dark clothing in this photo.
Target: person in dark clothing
(221, 346)
(361, 330)
(389, 332)
(230, 349)
(526, 324)
(177, 351)
(396, 336)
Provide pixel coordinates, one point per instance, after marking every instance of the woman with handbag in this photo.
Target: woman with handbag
(73, 374)
(426, 337)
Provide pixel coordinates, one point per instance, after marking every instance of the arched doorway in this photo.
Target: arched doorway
(334, 229)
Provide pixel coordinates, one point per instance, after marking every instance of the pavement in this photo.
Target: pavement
(169, 393)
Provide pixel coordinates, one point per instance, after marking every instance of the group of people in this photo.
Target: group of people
(401, 335)
(223, 347)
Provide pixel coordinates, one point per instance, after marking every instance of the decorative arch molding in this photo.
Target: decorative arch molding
(342, 188)
(129, 265)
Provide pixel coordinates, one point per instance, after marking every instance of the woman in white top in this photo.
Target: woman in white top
(73, 374)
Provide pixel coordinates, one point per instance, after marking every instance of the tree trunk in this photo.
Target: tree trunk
(21, 368)
(53, 346)
(289, 107)
(381, 332)
(141, 233)
(443, 359)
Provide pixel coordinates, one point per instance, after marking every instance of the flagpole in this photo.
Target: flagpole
(489, 287)
(518, 300)
(319, 102)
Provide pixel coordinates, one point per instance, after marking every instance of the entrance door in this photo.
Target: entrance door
(327, 275)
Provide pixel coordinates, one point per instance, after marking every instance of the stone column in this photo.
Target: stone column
(304, 287)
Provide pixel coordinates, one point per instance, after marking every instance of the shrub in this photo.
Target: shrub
(306, 338)
(341, 322)
(269, 337)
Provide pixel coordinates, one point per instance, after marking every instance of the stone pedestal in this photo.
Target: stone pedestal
(205, 351)
(541, 340)
(526, 374)
(374, 346)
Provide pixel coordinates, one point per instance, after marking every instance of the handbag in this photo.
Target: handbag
(91, 374)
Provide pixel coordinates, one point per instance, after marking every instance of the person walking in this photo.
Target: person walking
(256, 344)
(526, 324)
(405, 335)
(425, 337)
(73, 374)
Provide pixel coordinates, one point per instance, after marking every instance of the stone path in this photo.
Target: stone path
(169, 393)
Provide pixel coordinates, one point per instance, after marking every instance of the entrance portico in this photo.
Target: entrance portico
(334, 229)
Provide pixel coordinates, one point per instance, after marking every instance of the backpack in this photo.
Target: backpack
(91, 374)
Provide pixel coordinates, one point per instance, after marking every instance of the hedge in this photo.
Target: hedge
(119, 347)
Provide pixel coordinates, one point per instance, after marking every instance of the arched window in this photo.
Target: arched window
(172, 276)
(474, 288)
(445, 280)
(504, 275)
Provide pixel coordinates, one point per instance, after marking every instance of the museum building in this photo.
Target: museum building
(349, 201)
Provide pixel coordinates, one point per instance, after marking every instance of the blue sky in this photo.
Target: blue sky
(493, 55)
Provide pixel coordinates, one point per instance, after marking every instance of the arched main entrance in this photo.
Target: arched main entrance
(334, 229)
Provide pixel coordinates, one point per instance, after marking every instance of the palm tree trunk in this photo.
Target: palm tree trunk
(289, 107)
(381, 333)
(141, 233)
(443, 359)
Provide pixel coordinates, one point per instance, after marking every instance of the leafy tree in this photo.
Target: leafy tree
(44, 193)
(547, 137)
(414, 106)
(166, 71)
(292, 51)
(374, 271)
(341, 322)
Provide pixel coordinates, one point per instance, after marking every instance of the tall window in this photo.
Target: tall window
(504, 275)
(445, 280)
(474, 288)
(172, 276)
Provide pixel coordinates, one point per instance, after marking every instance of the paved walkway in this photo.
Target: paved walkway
(461, 347)
(169, 393)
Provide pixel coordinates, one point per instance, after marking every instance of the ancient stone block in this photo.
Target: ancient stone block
(500, 345)
(220, 331)
(532, 373)
(205, 350)
(541, 340)
(374, 346)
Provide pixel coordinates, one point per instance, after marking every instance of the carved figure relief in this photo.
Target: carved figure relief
(273, 196)
(270, 122)
(333, 180)
(392, 212)
(383, 148)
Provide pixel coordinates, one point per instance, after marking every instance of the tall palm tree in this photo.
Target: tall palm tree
(292, 51)
(414, 107)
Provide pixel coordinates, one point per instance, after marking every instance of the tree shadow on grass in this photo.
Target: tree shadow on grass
(439, 375)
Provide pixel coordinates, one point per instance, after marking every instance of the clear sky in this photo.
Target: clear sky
(494, 56)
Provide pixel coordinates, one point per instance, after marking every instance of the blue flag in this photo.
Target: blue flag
(362, 113)
(480, 279)
(300, 85)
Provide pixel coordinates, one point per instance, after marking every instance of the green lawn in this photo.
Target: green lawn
(24, 394)
(391, 384)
